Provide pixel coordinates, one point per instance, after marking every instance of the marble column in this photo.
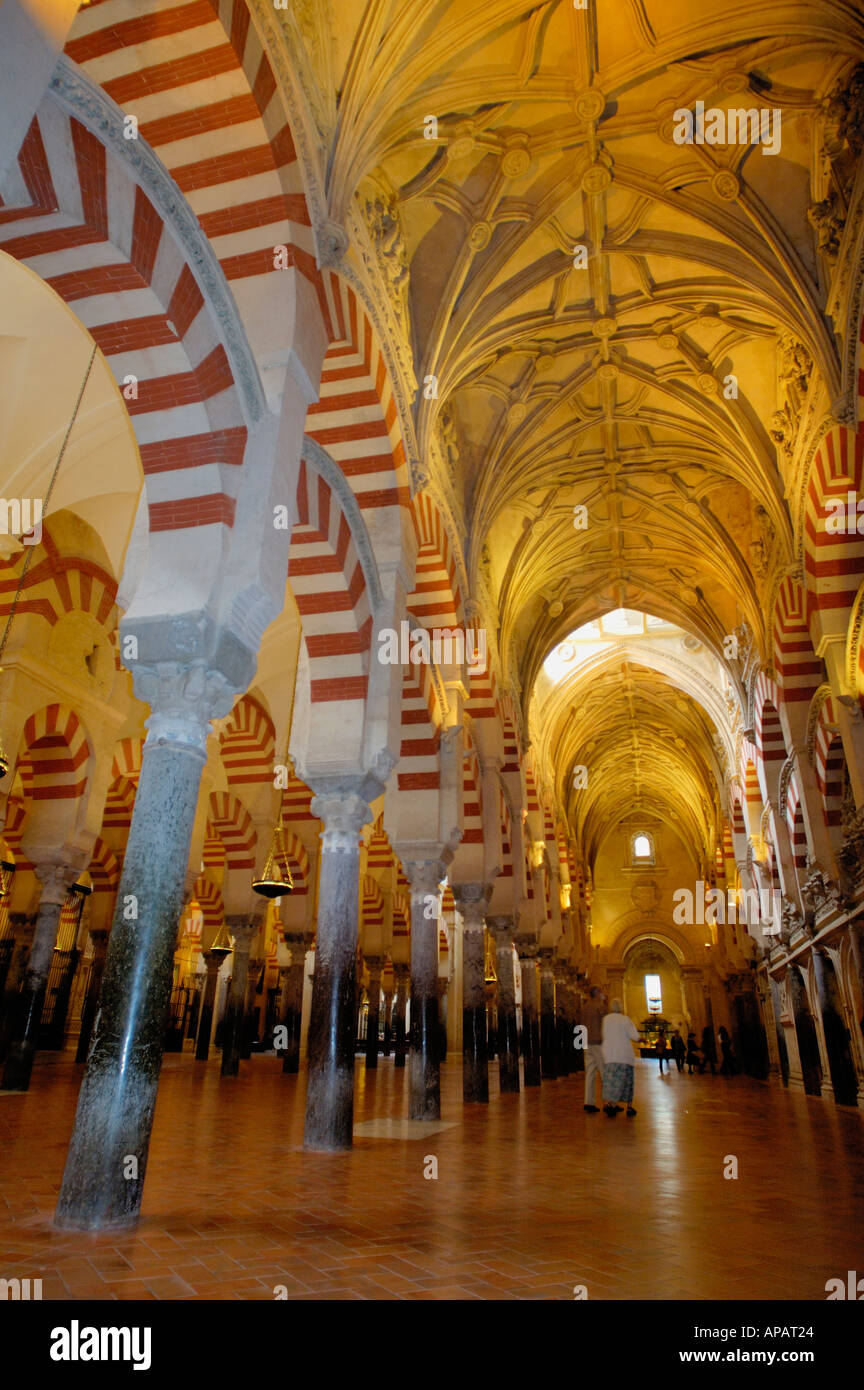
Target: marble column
(248, 1027)
(562, 1021)
(548, 1048)
(471, 899)
(213, 964)
(424, 1067)
(101, 1188)
(577, 1054)
(530, 1014)
(388, 1023)
(332, 1024)
(403, 976)
(292, 1000)
(508, 1029)
(374, 964)
(56, 880)
(243, 933)
(94, 985)
(23, 926)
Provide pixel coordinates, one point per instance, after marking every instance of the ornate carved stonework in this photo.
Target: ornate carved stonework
(826, 218)
(385, 229)
(793, 376)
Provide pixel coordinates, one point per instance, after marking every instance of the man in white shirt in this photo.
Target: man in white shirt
(619, 1063)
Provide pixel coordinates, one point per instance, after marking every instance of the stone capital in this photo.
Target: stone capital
(424, 875)
(56, 880)
(503, 928)
(344, 813)
(243, 931)
(527, 950)
(184, 698)
(471, 899)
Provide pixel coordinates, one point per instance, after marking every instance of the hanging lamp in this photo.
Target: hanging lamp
(275, 880)
(4, 761)
(6, 872)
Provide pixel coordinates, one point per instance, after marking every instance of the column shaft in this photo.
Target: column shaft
(332, 1024)
(28, 1006)
(373, 1017)
(530, 1021)
(292, 1011)
(424, 1066)
(508, 1029)
(118, 1093)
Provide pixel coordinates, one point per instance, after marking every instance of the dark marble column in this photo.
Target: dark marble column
(548, 1025)
(91, 1001)
(249, 1027)
(292, 1000)
(471, 899)
(577, 1054)
(530, 1015)
(388, 1023)
(424, 1067)
(213, 962)
(332, 1024)
(562, 1021)
(118, 1093)
(23, 926)
(56, 880)
(243, 933)
(374, 964)
(508, 1029)
(403, 976)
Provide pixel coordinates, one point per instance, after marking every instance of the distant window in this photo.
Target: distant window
(642, 849)
(653, 994)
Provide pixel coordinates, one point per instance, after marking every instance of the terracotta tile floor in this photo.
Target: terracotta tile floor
(532, 1197)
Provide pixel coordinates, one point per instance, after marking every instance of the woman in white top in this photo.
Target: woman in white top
(619, 1064)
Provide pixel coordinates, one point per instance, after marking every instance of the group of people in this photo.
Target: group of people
(609, 1055)
(689, 1054)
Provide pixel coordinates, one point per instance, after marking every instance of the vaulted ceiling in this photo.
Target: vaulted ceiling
(645, 380)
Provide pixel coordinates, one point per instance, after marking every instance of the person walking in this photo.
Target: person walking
(619, 1065)
(661, 1049)
(709, 1049)
(592, 1018)
(692, 1052)
(678, 1049)
(728, 1066)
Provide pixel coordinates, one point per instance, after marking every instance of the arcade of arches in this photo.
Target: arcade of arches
(327, 326)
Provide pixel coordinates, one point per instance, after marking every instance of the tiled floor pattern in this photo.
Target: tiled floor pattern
(532, 1197)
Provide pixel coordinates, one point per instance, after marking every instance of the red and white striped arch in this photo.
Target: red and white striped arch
(330, 589)
(248, 744)
(795, 824)
(472, 795)
(54, 756)
(230, 822)
(435, 600)
(418, 768)
(371, 906)
(57, 584)
(13, 829)
(297, 803)
(799, 669)
(833, 562)
(770, 742)
(209, 898)
(197, 78)
(104, 868)
(355, 418)
(298, 861)
(98, 241)
(125, 771)
(830, 763)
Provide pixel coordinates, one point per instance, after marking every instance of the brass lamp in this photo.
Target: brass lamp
(275, 880)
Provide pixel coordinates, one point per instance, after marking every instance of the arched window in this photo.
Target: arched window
(641, 848)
